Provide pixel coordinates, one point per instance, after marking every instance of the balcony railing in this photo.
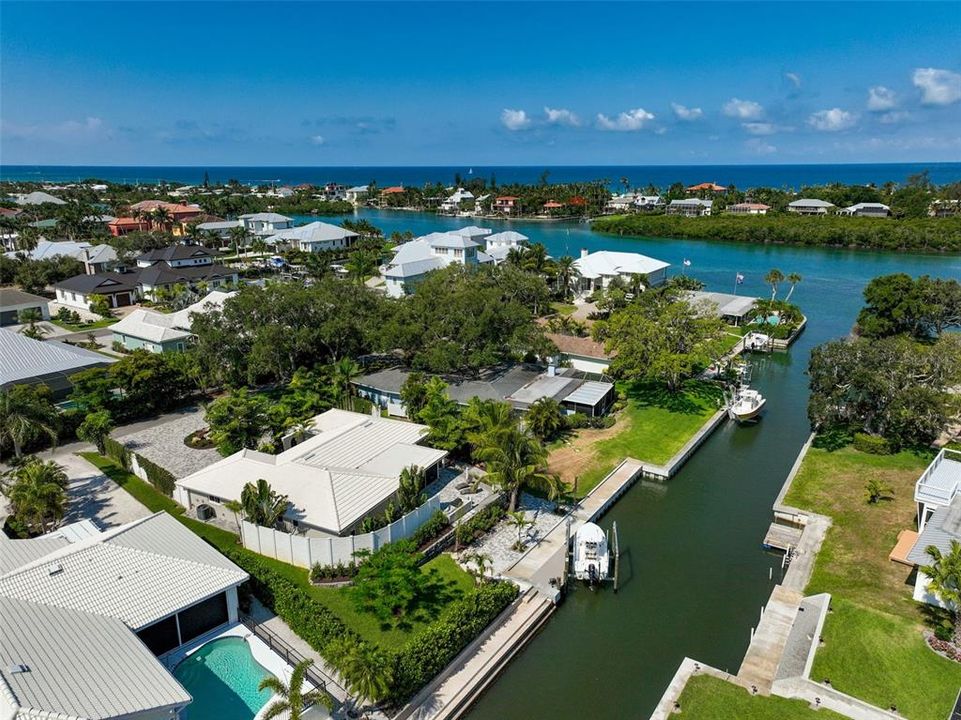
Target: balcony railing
(938, 493)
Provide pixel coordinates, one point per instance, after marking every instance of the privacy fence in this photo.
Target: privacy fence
(305, 551)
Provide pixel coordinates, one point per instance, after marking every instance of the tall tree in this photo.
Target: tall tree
(773, 278)
(261, 504)
(25, 413)
(514, 459)
(344, 371)
(545, 418)
(96, 428)
(37, 492)
(237, 421)
(793, 278)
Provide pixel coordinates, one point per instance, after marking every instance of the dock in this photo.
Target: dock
(782, 537)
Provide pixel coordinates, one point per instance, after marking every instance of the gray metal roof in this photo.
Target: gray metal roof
(313, 232)
(23, 359)
(16, 553)
(590, 393)
(138, 573)
(78, 665)
(811, 202)
(942, 527)
(727, 304)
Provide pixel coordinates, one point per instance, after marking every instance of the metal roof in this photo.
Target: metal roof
(23, 359)
(942, 527)
(314, 232)
(727, 304)
(78, 665)
(811, 202)
(138, 573)
(150, 325)
(38, 198)
(590, 393)
(606, 262)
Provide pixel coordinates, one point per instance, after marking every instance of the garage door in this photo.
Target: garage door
(123, 299)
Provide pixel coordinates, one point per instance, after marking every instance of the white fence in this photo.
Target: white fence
(305, 551)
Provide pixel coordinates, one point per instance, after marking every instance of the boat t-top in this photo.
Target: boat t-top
(592, 559)
(746, 404)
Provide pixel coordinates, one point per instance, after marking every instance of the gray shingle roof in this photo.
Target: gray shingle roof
(78, 666)
(177, 252)
(11, 296)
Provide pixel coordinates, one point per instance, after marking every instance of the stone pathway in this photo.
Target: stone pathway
(163, 443)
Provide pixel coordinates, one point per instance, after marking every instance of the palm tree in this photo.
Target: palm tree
(96, 428)
(520, 521)
(262, 506)
(514, 459)
(545, 418)
(944, 580)
(482, 563)
(38, 493)
(238, 238)
(161, 217)
(774, 277)
(793, 278)
(344, 370)
(410, 490)
(23, 415)
(291, 700)
(361, 264)
(566, 274)
(366, 671)
(258, 246)
(30, 317)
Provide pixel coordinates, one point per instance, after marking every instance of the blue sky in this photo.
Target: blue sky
(473, 83)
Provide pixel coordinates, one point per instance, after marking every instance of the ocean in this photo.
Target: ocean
(743, 176)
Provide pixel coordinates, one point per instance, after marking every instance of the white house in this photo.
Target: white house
(356, 194)
(314, 237)
(866, 210)
(748, 208)
(648, 202)
(414, 259)
(690, 207)
(810, 206)
(164, 332)
(348, 468)
(453, 201)
(89, 618)
(265, 224)
(221, 228)
(939, 514)
(500, 244)
(596, 270)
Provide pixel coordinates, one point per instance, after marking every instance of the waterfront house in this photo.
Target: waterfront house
(347, 468)
(164, 332)
(500, 244)
(620, 203)
(220, 228)
(596, 270)
(690, 207)
(944, 208)
(37, 198)
(118, 227)
(176, 212)
(810, 206)
(732, 309)
(13, 302)
(506, 204)
(876, 210)
(25, 361)
(938, 515)
(386, 193)
(648, 202)
(414, 259)
(90, 618)
(519, 385)
(356, 194)
(748, 208)
(265, 224)
(314, 237)
(453, 202)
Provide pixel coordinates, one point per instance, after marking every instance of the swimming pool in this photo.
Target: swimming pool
(222, 677)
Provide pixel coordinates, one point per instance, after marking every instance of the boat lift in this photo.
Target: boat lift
(581, 568)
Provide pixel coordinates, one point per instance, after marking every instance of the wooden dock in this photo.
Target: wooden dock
(782, 537)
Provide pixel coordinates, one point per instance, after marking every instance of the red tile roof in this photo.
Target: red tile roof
(706, 186)
(552, 204)
(507, 198)
(392, 190)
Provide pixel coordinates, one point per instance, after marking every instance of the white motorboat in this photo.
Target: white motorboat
(746, 404)
(757, 342)
(592, 558)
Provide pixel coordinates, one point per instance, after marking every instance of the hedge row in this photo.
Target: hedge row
(117, 452)
(157, 476)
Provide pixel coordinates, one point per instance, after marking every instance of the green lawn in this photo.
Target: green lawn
(83, 327)
(563, 308)
(710, 698)
(729, 340)
(656, 423)
(874, 649)
(447, 580)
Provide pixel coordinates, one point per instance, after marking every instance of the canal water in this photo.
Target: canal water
(694, 576)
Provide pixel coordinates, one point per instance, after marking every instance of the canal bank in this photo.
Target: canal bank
(694, 575)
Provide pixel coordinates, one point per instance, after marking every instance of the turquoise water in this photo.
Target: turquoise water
(222, 677)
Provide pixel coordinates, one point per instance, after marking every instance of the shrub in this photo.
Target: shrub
(340, 571)
(479, 524)
(943, 632)
(157, 476)
(428, 652)
(435, 525)
(871, 444)
(117, 452)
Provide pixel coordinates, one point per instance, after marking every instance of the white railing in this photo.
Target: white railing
(937, 493)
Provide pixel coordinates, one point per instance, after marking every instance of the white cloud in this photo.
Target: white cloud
(561, 116)
(682, 112)
(515, 119)
(759, 146)
(881, 99)
(938, 87)
(759, 128)
(894, 117)
(626, 121)
(832, 120)
(65, 131)
(317, 140)
(743, 109)
(794, 78)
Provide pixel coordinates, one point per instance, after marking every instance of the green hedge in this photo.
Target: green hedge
(429, 652)
(435, 525)
(157, 476)
(871, 444)
(117, 452)
(483, 521)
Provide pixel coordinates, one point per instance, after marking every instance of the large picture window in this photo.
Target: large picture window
(204, 616)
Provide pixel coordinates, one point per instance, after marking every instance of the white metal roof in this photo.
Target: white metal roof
(811, 202)
(266, 217)
(138, 573)
(38, 198)
(22, 358)
(333, 478)
(590, 393)
(610, 263)
(150, 325)
(449, 240)
(314, 232)
(78, 665)
(727, 304)
(508, 238)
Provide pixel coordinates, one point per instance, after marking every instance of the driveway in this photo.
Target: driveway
(94, 496)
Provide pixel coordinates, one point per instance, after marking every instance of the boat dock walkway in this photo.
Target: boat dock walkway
(544, 562)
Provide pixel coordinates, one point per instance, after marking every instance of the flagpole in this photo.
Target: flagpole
(735, 281)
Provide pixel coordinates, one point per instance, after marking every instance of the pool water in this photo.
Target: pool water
(222, 677)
